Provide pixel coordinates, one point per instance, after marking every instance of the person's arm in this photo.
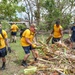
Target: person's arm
(7, 44)
(28, 41)
(7, 41)
(34, 40)
(61, 32)
(27, 35)
(52, 31)
(70, 31)
(18, 28)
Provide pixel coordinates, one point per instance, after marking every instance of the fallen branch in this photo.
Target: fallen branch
(48, 39)
(68, 56)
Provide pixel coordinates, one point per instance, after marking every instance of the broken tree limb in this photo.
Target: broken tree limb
(61, 45)
(46, 61)
(68, 56)
(48, 39)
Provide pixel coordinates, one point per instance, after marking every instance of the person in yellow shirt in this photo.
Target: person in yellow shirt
(14, 29)
(57, 32)
(3, 44)
(27, 43)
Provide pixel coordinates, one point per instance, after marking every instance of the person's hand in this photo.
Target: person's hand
(9, 49)
(51, 35)
(33, 45)
(36, 44)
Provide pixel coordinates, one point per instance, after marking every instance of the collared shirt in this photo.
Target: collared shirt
(27, 34)
(57, 33)
(14, 28)
(2, 39)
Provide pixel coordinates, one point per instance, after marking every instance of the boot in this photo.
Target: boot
(3, 66)
(24, 63)
(35, 59)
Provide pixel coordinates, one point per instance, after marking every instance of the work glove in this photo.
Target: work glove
(9, 49)
(33, 45)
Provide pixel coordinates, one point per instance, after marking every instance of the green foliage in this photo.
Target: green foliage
(8, 9)
(5, 25)
(42, 26)
(21, 26)
(54, 11)
(66, 20)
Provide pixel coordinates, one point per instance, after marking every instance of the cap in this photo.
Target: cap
(33, 25)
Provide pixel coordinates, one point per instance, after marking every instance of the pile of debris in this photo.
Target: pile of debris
(57, 59)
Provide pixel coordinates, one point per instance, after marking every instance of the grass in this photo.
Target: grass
(65, 36)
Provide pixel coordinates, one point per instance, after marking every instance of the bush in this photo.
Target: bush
(42, 26)
(5, 25)
(21, 26)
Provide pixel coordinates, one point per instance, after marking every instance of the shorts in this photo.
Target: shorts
(27, 49)
(13, 33)
(55, 40)
(72, 38)
(3, 52)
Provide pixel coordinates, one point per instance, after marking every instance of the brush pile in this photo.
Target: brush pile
(57, 59)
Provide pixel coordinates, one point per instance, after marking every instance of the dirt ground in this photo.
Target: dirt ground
(13, 66)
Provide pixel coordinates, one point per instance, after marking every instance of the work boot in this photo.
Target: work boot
(35, 59)
(3, 66)
(24, 63)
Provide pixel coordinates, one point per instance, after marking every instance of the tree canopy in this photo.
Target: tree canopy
(8, 9)
(44, 12)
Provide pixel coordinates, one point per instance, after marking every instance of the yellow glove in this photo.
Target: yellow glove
(33, 45)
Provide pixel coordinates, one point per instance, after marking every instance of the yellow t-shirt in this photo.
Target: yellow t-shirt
(14, 28)
(2, 40)
(57, 33)
(27, 34)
